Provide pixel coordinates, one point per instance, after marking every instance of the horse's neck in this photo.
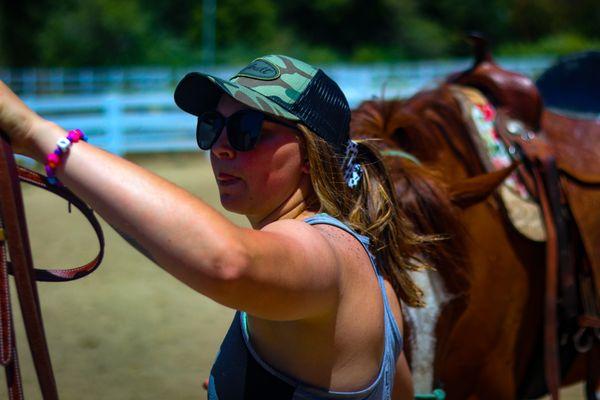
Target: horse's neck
(450, 168)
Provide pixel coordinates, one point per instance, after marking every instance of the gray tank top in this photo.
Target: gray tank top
(240, 373)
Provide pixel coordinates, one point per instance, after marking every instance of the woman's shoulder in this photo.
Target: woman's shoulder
(308, 237)
(319, 228)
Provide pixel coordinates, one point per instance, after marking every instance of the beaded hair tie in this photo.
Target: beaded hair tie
(54, 159)
(352, 169)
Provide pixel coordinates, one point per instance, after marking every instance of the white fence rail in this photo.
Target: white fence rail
(123, 123)
(43, 81)
(147, 121)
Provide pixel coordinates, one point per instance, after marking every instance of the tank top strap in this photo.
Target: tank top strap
(395, 339)
(327, 219)
(390, 321)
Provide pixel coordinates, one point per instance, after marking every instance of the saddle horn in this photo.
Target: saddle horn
(481, 48)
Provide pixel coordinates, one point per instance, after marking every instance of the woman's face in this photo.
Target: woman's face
(256, 182)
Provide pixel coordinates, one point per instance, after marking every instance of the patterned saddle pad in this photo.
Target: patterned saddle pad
(524, 213)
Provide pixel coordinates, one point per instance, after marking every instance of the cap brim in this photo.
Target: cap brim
(197, 93)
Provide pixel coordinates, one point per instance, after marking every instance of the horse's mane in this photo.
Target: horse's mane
(424, 196)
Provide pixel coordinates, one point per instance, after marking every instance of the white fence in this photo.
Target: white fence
(123, 123)
(44, 81)
(146, 121)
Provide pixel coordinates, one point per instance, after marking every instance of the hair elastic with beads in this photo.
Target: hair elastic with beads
(352, 169)
(54, 159)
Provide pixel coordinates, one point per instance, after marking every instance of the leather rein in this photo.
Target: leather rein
(16, 260)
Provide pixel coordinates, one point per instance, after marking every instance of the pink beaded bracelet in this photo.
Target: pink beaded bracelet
(54, 159)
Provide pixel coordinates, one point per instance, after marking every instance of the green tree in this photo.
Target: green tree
(18, 30)
(96, 32)
(169, 32)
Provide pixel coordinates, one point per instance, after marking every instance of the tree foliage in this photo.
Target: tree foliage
(169, 32)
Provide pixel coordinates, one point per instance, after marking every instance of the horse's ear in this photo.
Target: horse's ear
(474, 190)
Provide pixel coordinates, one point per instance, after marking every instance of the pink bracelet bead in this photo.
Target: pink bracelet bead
(74, 136)
(53, 160)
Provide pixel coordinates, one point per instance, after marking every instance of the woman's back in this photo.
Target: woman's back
(352, 351)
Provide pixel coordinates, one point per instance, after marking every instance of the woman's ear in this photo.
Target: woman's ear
(305, 168)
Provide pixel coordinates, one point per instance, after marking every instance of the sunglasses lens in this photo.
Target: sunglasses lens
(209, 126)
(243, 129)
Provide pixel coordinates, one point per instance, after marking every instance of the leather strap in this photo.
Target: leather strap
(592, 381)
(551, 353)
(13, 235)
(13, 217)
(62, 275)
(8, 350)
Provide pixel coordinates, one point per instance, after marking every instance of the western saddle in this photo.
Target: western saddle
(560, 165)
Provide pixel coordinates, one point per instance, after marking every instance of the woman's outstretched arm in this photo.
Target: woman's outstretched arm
(286, 271)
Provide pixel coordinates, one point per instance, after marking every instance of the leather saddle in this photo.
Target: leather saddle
(560, 159)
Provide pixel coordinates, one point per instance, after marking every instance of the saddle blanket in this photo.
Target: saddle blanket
(524, 213)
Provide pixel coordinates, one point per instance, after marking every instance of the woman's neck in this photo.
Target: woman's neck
(301, 204)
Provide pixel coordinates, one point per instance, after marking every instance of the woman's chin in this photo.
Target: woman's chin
(233, 203)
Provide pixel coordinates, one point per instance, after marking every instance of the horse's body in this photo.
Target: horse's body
(480, 333)
(481, 312)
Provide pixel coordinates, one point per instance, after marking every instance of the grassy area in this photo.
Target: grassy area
(129, 331)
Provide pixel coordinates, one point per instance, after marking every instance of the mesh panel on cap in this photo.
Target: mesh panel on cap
(324, 109)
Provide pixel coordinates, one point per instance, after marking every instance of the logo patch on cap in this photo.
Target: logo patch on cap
(260, 69)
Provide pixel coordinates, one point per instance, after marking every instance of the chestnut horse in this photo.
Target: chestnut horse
(480, 335)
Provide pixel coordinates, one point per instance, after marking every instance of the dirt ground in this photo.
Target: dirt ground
(129, 331)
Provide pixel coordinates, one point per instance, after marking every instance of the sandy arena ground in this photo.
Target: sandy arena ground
(129, 331)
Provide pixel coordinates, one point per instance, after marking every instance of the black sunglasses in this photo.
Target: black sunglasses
(243, 128)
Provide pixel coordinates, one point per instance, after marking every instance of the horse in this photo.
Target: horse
(479, 336)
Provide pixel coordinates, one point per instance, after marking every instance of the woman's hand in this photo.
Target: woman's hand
(18, 121)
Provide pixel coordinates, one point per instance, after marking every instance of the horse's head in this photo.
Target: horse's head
(513, 92)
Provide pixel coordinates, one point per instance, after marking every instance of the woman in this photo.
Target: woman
(317, 278)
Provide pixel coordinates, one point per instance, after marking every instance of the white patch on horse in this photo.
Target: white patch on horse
(422, 323)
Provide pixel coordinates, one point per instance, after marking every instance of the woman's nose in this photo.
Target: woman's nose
(222, 148)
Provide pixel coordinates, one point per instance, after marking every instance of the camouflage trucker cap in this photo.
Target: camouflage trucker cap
(280, 86)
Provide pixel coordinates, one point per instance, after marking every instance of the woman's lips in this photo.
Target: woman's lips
(226, 179)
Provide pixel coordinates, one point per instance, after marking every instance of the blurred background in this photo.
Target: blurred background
(84, 33)
(109, 67)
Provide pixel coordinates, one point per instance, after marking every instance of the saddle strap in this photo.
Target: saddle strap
(542, 171)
